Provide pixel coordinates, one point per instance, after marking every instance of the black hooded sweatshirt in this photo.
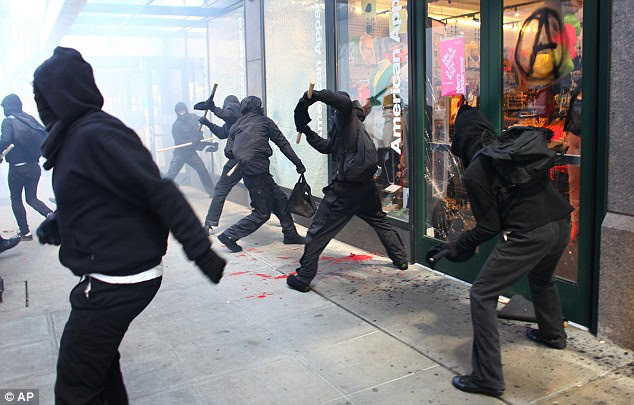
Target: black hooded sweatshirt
(343, 134)
(494, 209)
(185, 129)
(248, 142)
(229, 113)
(114, 209)
(13, 108)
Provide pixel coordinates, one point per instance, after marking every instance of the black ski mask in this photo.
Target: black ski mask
(47, 115)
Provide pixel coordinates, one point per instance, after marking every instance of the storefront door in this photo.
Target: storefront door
(521, 63)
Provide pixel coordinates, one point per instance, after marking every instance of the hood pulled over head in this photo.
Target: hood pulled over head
(251, 104)
(66, 82)
(12, 105)
(472, 131)
(179, 107)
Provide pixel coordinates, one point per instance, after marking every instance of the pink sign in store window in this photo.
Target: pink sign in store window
(452, 66)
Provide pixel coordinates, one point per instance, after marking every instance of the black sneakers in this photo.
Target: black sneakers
(295, 284)
(294, 239)
(401, 266)
(466, 384)
(26, 236)
(6, 244)
(230, 244)
(536, 336)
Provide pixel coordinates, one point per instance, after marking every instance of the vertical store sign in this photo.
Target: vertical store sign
(319, 50)
(243, 76)
(452, 66)
(396, 20)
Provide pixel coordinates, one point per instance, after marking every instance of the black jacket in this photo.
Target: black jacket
(186, 129)
(342, 135)
(229, 113)
(494, 208)
(114, 209)
(248, 143)
(13, 110)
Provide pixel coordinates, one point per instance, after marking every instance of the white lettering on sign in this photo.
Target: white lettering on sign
(319, 49)
(397, 131)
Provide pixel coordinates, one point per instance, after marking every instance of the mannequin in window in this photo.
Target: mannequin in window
(366, 46)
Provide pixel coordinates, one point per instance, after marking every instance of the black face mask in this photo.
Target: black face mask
(47, 115)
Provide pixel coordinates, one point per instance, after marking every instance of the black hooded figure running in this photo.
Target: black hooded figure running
(535, 221)
(114, 214)
(23, 132)
(186, 129)
(229, 113)
(248, 144)
(342, 199)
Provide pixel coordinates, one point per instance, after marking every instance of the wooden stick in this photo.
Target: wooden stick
(233, 169)
(310, 95)
(213, 93)
(7, 150)
(182, 145)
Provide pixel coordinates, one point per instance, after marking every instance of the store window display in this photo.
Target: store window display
(372, 66)
(543, 87)
(452, 79)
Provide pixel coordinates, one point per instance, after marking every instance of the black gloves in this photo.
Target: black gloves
(309, 101)
(457, 253)
(48, 231)
(213, 147)
(205, 105)
(211, 265)
(205, 122)
(300, 169)
(301, 116)
(435, 254)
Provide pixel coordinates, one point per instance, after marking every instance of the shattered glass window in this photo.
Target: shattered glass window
(453, 79)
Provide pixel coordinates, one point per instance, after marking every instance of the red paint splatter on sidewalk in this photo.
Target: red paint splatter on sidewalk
(283, 257)
(238, 273)
(262, 295)
(264, 275)
(325, 258)
(280, 277)
(251, 250)
(242, 254)
(353, 258)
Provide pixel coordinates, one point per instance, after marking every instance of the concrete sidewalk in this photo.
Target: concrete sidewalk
(366, 334)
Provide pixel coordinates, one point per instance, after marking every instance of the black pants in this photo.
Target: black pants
(223, 187)
(536, 254)
(266, 198)
(179, 159)
(341, 202)
(88, 369)
(25, 177)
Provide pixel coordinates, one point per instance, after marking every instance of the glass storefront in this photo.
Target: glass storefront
(372, 66)
(295, 55)
(227, 68)
(542, 69)
(452, 79)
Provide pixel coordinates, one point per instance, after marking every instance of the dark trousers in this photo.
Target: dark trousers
(223, 187)
(536, 254)
(340, 203)
(179, 160)
(88, 369)
(25, 177)
(266, 198)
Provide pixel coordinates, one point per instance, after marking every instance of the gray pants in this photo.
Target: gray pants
(536, 254)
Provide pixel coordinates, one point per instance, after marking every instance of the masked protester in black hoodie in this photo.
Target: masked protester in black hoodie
(114, 214)
(24, 167)
(342, 199)
(535, 221)
(248, 144)
(229, 113)
(184, 130)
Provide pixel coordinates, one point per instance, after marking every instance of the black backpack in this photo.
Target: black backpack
(521, 155)
(360, 165)
(28, 135)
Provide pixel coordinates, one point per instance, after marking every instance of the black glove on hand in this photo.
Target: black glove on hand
(213, 147)
(205, 122)
(300, 169)
(48, 231)
(309, 101)
(211, 265)
(458, 254)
